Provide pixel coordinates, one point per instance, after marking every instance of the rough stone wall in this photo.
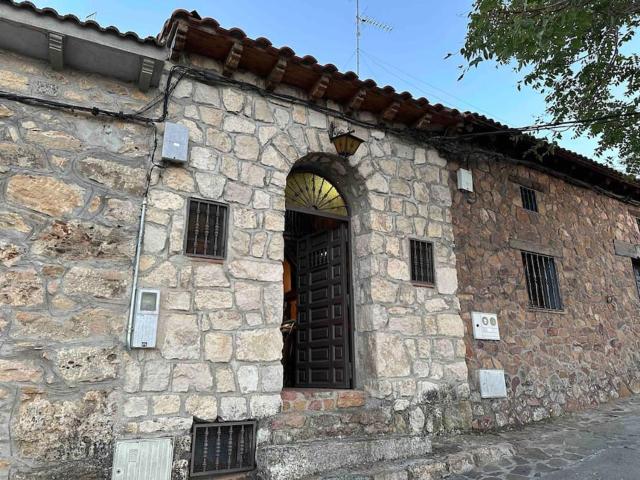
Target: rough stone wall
(554, 362)
(408, 338)
(71, 189)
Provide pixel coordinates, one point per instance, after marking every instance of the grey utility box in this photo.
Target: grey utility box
(175, 143)
(148, 459)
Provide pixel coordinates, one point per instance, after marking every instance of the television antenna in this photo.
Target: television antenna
(92, 16)
(366, 20)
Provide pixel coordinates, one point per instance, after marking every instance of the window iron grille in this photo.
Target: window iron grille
(206, 229)
(222, 447)
(422, 265)
(529, 199)
(636, 273)
(542, 281)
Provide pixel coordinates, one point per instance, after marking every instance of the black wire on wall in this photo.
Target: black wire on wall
(178, 72)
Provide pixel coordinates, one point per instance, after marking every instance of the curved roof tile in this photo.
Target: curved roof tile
(109, 30)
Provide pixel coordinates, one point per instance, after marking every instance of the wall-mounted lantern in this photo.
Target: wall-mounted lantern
(345, 142)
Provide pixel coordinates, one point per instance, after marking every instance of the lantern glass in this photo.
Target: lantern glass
(346, 144)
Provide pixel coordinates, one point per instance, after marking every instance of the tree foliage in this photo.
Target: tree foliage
(581, 54)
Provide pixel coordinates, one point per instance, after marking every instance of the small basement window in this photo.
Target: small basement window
(636, 273)
(529, 199)
(542, 281)
(422, 268)
(206, 229)
(222, 447)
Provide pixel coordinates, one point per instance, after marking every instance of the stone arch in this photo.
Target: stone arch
(346, 178)
(351, 185)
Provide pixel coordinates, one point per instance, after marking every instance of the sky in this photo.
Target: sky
(410, 57)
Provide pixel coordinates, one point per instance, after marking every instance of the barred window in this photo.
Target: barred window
(422, 270)
(206, 229)
(542, 281)
(638, 223)
(222, 447)
(636, 273)
(529, 200)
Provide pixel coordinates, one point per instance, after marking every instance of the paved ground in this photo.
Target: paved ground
(603, 444)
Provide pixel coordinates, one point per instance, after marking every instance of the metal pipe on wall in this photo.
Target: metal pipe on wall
(136, 268)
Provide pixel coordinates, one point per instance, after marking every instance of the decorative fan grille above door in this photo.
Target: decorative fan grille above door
(314, 194)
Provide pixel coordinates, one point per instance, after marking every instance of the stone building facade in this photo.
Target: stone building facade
(76, 174)
(554, 362)
(71, 192)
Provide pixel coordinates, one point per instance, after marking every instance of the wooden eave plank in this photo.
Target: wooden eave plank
(205, 44)
(299, 76)
(257, 61)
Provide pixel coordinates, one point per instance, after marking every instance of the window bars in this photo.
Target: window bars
(542, 281)
(422, 267)
(222, 447)
(529, 200)
(206, 229)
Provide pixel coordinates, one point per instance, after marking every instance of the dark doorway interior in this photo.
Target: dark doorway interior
(316, 325)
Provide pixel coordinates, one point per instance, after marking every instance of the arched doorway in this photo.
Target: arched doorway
(317, 323)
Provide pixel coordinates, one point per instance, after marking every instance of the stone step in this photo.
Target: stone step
(305, 459)
(320, 399)
(305, 426)
(455, 456)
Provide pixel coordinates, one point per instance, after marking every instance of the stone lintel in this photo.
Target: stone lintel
(526, 245)
(624, 249)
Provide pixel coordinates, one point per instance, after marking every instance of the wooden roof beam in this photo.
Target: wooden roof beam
(320, 87)
(233, 59)
(423, 122)
(355, 102)
(277, 73)
(389, 113)
(179, 41)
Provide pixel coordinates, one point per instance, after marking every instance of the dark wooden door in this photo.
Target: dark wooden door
(322, 353)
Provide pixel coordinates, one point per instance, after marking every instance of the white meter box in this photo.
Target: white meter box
(143, 459)
(492, 384)
(485, 326)
(145, 325)
(465, 180)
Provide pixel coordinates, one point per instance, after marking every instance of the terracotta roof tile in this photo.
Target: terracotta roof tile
(110, 30)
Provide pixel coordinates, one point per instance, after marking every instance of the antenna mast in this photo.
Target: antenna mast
(368, 21)
(358, 37)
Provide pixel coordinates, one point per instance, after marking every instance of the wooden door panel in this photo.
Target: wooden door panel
(322, 340)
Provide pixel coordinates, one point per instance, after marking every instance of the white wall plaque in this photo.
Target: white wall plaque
(485, 326)
(492, 384)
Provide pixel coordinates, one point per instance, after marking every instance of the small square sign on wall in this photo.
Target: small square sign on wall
(492, 384)
(485, 326)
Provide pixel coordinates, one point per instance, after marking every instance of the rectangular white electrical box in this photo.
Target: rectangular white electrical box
(143, 459)
(465, 180)
(485, 326)
(492, 384)
(175, 143)
(145, 325)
